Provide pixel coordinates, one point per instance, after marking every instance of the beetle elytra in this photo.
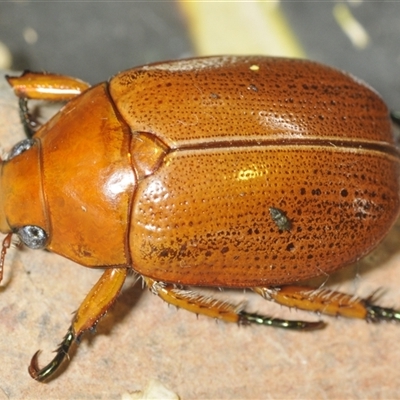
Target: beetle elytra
(186, 160)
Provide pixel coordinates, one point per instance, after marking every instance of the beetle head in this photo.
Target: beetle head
(21, 202)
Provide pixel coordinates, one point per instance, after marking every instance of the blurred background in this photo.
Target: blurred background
(94, 40)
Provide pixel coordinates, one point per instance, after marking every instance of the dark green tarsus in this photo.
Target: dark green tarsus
(250, 318)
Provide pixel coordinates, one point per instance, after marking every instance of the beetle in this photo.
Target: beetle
(185, 161)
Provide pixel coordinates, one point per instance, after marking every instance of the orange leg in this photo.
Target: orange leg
(199, 304)
(49, 87)
(96, 304)
(104, 293)
(323, 301)
(328, 302)
(43, 86)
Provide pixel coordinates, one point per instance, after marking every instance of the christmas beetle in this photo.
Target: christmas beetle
(238, 172)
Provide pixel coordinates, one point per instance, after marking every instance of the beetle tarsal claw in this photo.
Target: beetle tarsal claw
(62, 353)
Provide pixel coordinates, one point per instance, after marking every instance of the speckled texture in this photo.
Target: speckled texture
(246, 134)
(203, 218)
(248, 98)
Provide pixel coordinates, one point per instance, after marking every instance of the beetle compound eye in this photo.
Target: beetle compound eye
(20, 147)
(33, 236)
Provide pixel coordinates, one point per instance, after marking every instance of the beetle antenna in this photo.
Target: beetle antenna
(42, 374)
(6, 246)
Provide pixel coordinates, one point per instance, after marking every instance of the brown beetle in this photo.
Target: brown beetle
(172, 170)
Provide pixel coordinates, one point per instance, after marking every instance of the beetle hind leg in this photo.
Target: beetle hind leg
(330, 302)
(199, 304)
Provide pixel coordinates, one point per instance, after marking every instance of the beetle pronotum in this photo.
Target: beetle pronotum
(186, 160)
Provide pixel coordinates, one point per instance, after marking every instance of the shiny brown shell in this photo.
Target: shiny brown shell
(235, 136)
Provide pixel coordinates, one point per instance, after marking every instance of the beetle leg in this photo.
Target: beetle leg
(41, 374)
(29, 122)
(199, 304)
(99, 299)
(96, 304)
(377, 313)
(42, 86)
(328, 302)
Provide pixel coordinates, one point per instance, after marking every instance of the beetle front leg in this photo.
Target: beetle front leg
(42, 86)
(96, 304)
(45, 86)
(222, 310)
(328, 302)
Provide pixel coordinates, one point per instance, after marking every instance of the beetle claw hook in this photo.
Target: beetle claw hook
(42, 374)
